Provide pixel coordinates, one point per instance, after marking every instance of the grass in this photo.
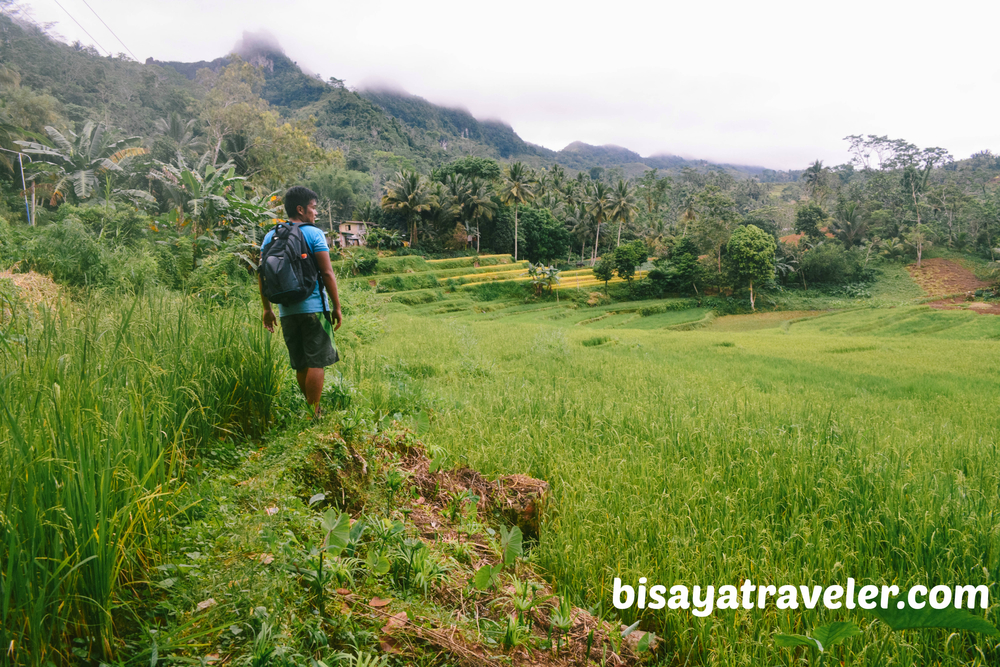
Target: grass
(855, 444)
(102, 403)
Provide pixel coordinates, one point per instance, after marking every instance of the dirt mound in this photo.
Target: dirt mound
(940, 277)
(33, 288)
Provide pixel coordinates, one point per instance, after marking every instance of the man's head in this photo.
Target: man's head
(300, 204)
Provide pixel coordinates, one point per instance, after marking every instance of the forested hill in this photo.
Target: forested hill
(410, 127)
(378, 131)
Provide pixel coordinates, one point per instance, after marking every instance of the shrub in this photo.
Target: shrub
(174, 258)
(830, 263)
(68, 252)
(131, 269)
(221, 277)
(669, 306)
(363, 261)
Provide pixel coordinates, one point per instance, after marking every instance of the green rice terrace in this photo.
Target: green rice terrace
(797, 446)
(841, 438)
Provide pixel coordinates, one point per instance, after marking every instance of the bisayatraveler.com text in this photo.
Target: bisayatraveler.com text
(702, 601)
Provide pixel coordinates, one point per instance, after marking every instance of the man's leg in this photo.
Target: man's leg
(311, 383)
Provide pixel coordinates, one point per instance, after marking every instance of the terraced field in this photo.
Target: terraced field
(797, 447)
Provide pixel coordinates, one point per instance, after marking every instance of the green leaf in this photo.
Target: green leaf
(512, 544)
(317, 498)
(485, 577)
(338, 530)
(645, 642)
(421, 423)
(834, 633)
(950, 618)
(789, 641)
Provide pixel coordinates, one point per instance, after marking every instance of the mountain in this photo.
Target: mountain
(378, 130)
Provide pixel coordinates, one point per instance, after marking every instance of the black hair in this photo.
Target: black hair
(298, 196)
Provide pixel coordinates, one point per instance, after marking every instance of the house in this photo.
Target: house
(353, 233)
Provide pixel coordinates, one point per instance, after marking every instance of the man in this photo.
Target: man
(309, 348)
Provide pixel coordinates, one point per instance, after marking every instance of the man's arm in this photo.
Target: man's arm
(330, 282)
(269, 318)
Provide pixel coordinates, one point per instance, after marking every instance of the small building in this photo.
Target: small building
(353, 233)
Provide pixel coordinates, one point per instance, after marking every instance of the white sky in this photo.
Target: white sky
(775, 83)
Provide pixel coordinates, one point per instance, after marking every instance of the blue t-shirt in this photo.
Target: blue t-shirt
(313, 303)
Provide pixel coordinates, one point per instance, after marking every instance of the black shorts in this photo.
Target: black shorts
(308, 343)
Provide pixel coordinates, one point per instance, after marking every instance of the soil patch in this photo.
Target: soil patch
(940, 277)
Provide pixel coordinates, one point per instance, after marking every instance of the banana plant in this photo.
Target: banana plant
(79, 159)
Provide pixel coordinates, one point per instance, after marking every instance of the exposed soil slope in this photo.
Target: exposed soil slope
(940, 277)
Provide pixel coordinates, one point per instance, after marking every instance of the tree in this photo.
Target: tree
(599, 208)
(814, 178)
(808, 220)
(750, 255)
(79, 159)
(918, 238)
(518, 188)
(681, 271)
(545, 238)
(471, 166)
(481, 205)
(409, 193)
(623, 208)
(180, 131)
(628, 258)
(850, 224)
(605, 270)
(716, 221)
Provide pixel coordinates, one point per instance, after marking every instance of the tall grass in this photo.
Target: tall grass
(784, 456)
(101, 403)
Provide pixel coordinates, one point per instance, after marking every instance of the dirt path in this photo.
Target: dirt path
(938, 277)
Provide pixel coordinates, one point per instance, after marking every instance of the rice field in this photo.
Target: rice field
(800, 448)
(102, 404)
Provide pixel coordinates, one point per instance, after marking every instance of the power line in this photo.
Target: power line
(110, 30)
(81, 27)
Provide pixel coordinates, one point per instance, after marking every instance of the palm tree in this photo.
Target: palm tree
(365, 212)
(849, 224)
(578, 222)
(689, 213)
(813, 177)
(180, 131)
(481, 205)
(518, 188)
(599, 208)
(409, 193)
(623, 208)
(79, 158)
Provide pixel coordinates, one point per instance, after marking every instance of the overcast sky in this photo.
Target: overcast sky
(771, 83)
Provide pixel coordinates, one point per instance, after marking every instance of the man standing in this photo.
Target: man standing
(302, 323)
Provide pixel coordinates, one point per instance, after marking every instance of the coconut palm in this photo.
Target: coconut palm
(79, 159)
(599, 208)
(518, 188)
(481, 205)
(579, 223)
(410, 194)
(365, 212)
(849, 224)
(180, 131)
(623, 207)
